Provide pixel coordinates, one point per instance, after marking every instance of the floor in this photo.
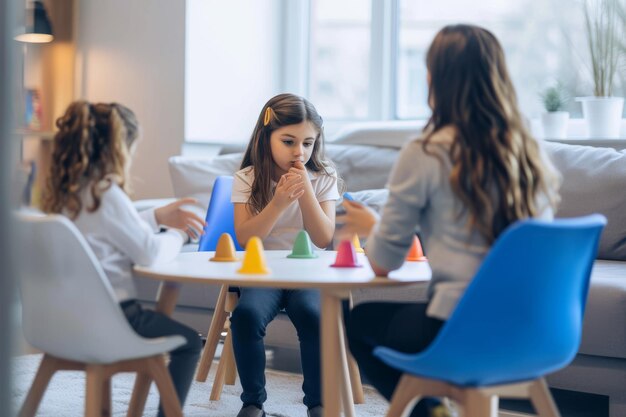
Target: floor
(570, 404)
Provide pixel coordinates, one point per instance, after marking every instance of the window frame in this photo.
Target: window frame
(383, 56)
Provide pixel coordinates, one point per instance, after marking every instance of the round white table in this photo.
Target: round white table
(334, 284)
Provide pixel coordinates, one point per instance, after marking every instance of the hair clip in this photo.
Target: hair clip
(268, 116)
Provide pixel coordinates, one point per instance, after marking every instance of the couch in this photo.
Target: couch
(594, 180)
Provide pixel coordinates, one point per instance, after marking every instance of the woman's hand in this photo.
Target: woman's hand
(172, 215)
(358, 219)
(290, 187)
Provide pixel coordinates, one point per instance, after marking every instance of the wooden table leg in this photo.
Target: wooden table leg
(334, 364)
(346, 387)
(167, 296)
(353, 368)
(213, 336)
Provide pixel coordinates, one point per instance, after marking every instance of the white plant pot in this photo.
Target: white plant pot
(603, 116)
(555, 124)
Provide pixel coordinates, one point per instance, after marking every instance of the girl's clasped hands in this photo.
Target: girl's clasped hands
(292, 185)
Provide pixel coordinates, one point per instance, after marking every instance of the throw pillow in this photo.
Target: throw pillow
(194, 177)
(594, 181)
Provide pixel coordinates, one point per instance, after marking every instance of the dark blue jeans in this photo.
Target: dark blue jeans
(401, 326)
(183, 360)
(257, 307)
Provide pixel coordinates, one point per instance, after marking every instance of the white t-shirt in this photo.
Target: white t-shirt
(290, 222)
(121, 237)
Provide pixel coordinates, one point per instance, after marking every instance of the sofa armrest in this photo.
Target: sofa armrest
(146, 204)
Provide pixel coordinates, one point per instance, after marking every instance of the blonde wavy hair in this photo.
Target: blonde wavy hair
(497, 167)
(91, 149)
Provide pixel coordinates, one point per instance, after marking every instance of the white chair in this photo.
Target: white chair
(71, 314)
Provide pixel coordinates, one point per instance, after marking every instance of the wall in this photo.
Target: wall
(232, 67)
(133, 52)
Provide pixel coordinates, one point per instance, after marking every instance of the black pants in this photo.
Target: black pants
(400, 326)
(184, 359)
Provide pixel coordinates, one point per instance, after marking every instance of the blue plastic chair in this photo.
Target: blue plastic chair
(519, 319)
(220, 218)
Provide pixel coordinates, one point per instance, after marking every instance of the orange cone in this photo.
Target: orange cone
(254, 258)
(357, 244)
(225, 251)
(416, 254)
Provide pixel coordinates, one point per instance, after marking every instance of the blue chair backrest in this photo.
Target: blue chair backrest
(220, 216)
(522, 313)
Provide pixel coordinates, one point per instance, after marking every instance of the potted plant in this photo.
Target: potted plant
(604, 28)
(554, 121)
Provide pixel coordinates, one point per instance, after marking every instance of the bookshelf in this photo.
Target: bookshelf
(49, 70)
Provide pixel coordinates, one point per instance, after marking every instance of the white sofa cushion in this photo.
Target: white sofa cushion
(194, 177)
(360, 167)
(594, 181)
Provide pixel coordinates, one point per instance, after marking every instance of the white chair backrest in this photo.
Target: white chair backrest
(69, 308)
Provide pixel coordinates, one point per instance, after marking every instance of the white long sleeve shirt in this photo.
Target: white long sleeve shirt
(122, 237)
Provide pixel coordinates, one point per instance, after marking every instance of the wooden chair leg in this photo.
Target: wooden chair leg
(407, 393)
(47, 368)
(93, 398)
(106, 397)
(220, 374)
(169, 398)
(477, 404)
(213, 336)
(229, 356)
(140, 394)
(542, 399)
(232, 298)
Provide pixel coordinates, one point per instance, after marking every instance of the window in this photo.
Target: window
(230, 67)
(532, 33)
(361, 59)
(339, 58)
(370, 64)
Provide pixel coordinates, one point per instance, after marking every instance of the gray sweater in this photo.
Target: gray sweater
(421, 199)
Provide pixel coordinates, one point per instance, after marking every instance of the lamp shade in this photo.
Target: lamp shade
(38, 28)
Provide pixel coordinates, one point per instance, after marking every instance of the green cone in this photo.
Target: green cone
(302, 247)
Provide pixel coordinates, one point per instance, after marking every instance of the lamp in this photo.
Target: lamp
(38, 28)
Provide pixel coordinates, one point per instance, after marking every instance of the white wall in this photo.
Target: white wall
(133, 52)
(232, 66)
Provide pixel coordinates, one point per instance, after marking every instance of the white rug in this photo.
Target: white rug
(65, 395)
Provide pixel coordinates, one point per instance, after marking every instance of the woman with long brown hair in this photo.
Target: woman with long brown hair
(475, 170)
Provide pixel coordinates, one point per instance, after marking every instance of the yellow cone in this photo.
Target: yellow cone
(357, 244)
(225, 251)
(254, 258)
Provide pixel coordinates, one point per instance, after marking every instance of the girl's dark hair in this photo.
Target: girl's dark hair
(91, 149)
(281, 110)
(497, 167)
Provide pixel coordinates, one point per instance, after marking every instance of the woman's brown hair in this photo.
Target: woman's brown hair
(281, 110)
(91, 149)
(497, 167)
